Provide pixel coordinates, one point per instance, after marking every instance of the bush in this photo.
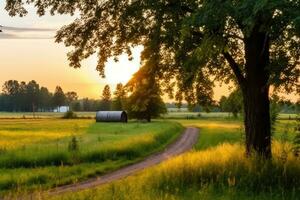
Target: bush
(73, 145)
(70, 115)
(296, 147)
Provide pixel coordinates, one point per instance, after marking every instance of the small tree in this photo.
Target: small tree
(45, 98)
(32, 93)
(145, 101)
(233, 103)
(11, 89)
(296, 142)
(120, 96)
(70, 98)
(106, 99)
(59, 97)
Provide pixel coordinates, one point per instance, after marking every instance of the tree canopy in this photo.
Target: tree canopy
(203, 38)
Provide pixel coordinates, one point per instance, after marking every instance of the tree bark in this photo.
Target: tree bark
(256, 95)
(148, 117)
(33, 110)
(257, 121)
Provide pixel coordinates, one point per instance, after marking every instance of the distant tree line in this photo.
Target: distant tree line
(233, 103)
(140, 98)
(107, 102)
(140, 102)
(31, 97)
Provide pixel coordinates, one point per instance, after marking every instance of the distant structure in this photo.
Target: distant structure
(61, 109)
(111, 116)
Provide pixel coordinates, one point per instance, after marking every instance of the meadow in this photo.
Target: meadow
(43, 153)
(36, 155)
(216, 169)
(43, 115)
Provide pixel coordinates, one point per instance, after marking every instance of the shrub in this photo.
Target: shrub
(70, 115)
(73, 144)
(296, 147)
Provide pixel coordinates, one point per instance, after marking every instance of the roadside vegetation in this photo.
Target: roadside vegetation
(216, 169)
(39, 154)
(222, 172)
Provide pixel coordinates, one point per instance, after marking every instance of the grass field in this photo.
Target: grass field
(222, 172)
(37, 154)
(217, 169)
(172, 114)
(43, 115)
(213, 115)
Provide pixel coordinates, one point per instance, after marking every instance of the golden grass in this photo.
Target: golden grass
(188, 176)
(212, 123)
(17, 133)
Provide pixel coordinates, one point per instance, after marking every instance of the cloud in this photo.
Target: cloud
(21, 29)
(9, 32)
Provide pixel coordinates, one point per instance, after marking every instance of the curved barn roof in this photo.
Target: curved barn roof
(111, 116)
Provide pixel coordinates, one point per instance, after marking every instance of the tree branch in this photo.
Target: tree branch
(235, 68)
(186, 8)
(235, 37)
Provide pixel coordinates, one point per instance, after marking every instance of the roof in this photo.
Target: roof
(107, 116)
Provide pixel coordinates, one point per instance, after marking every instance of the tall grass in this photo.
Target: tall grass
(99, 148)
(222, 172)
(216, 169)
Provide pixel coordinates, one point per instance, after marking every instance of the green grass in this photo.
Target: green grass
(172, 114)
(222, 172)
(218, 131)
(216, 169)
(35, 153)
(195, 115)
(43, 115)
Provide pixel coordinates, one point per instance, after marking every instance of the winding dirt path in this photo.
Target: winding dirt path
(185, 142)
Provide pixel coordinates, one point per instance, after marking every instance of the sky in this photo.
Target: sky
(28, 52)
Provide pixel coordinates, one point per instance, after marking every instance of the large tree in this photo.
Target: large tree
(254, 43)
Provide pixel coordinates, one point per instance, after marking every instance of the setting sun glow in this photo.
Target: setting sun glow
(122, 71)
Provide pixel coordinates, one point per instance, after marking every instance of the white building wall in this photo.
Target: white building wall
(62, 109)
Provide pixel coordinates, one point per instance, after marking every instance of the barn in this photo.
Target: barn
(111, 116)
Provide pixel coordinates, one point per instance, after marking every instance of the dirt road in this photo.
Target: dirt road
(186, 141)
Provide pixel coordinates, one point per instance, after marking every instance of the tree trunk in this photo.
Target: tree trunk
(256, 94)
(148, 117)
(33, 110)
(257, 121)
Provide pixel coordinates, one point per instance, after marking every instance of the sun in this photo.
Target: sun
(120, 72)
(115, 72)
